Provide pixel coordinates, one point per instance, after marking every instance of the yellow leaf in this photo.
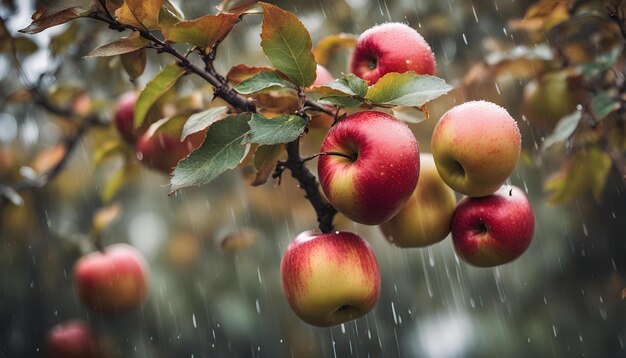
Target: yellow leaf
(140, 13)
(204, 32)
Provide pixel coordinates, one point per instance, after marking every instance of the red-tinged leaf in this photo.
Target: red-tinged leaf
(287, 44)
(204, 32)
(128, 44)
(329, 45)
(56, 12)
(236, 6)
(140, 13)
(239, 73)
(134, 62)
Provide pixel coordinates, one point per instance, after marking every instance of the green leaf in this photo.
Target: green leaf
(56, 12)
(602, 105)
(409, 114)
(236, 6)
(203, 120)
(563, 130)
(265, 159)
(222, 150)
(406, 89)
(128, 44)
(287, 44)
(204, 32)
(155, 89)
(261, 81)
(343, 101)
(350, 85)
(282, 129)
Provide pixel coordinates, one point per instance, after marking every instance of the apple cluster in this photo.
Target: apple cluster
(371, 170)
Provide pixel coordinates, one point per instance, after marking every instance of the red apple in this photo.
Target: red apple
(71, 339)
(494, 229)
(112, 281)
(124, 117)
(323, 76)
(371, 167)
(330, 279)
(476, 146)
(391, 47)
(162, 150)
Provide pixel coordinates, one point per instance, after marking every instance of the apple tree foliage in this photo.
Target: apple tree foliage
(257, 110)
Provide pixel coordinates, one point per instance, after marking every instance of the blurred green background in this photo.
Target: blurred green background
(563, 297)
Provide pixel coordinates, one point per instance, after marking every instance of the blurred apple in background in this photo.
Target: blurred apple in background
(391, 47)
(549, 99)
(476, 146)
(71, 339)
(372, 167)
(494, 229)
(330, 279)
(425, 219)
(112, 281)
(160, 147)
(124, 117)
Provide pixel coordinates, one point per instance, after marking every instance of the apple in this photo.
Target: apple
(330, 279)
(476, 146)
(425, 218)
(71, 339)
(161, 149)
(124, 117)
(548, 100)
(391, 47)
(370, 167)
(323, 76)
(495, 229)
(112, 281)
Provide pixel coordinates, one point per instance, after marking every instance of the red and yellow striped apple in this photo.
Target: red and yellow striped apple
(71, 339)
(371, 166)
(330, 279)
(391, 47)
(476, 146)
(495, 229)
(425, 218)
(112, 281)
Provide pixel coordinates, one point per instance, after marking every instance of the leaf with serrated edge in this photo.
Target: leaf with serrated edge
(128, 44)
(343, 101)
(203, 32)
(406, 89)
(563, 130)
(222, 150)
(261, 81)
(140, 13)
(203, 120)
(53, 13)
(240, 72)
(287, 44)
(282, 129)
(349, 85)
(155, 89)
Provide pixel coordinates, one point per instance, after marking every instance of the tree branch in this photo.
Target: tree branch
(308, 182)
